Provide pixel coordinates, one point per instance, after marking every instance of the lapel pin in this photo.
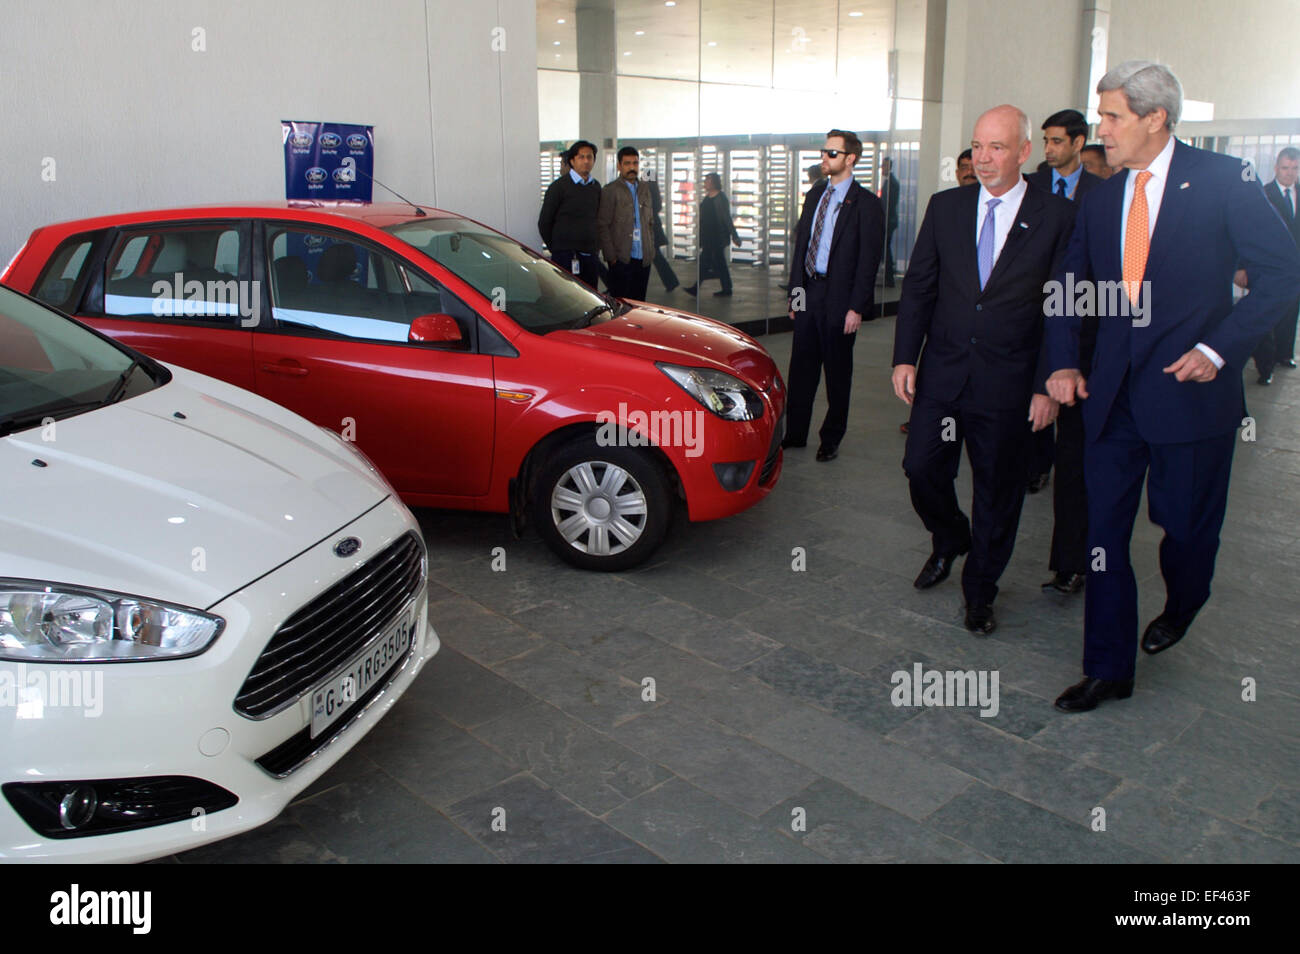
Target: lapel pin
(1185, 185)
(1024, 225)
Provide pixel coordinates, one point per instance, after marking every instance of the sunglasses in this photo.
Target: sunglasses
(833, 153)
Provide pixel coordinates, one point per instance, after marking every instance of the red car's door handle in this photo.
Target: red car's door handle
(290, 369)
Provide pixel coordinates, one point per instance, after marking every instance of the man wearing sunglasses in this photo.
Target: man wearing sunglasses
(840, 240)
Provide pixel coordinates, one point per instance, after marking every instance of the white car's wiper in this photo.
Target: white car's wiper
(115, 393)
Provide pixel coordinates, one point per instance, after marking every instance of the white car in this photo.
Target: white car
(205, 600)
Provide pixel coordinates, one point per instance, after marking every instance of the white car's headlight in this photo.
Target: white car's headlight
(728, 397)
(56, 623)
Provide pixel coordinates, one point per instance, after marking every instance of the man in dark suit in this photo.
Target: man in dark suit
(889, 190)
(973, 297)
(1064, 135)
(1276, 349)
(840, 237)
(716, 232)
(663, 254)
(1165, 396)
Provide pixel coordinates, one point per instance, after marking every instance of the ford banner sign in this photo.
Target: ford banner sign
(327, 160)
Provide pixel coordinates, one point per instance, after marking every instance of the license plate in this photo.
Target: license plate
(341, 691)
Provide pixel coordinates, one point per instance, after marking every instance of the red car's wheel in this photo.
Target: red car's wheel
(601, 508)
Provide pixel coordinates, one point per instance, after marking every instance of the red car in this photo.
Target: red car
(474, 373)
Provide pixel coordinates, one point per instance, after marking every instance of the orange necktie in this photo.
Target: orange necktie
(1137, 238)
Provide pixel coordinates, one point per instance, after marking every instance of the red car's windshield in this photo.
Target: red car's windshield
(530, 289)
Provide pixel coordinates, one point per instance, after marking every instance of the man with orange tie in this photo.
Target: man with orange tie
(1164, 398)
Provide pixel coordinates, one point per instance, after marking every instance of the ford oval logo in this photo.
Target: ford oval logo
(317, 174)
(314, 241)
(347, 546)
(330, 140)
(300, 140)
(358, 141)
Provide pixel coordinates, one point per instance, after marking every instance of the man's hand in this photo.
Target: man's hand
(1043, 411)
(1066, 386)
(851, 321)
(904, 381)
(1193, 366)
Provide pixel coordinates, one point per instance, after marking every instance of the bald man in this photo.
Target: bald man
(973, 299)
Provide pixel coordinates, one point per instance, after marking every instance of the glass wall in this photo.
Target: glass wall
(746, 89)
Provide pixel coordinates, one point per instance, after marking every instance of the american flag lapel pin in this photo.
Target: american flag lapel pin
(1185, 185)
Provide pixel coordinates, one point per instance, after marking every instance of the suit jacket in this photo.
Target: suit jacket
(1273, 192)
(716, 227)
(1211, 217)
(990, 338)
(1087, 182)
(857, 245)
(614, 222)
(1042, 179)
(889, 196)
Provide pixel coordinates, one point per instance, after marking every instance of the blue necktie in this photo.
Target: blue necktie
(986, 244)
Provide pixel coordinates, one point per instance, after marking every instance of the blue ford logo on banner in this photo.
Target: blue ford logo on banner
(327, 160)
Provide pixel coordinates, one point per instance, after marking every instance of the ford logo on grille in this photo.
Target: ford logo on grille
(347, 546)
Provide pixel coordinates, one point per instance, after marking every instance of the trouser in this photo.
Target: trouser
(588, 263)
(629, 279)
(819, 343)
(1187, 495)
(665, 270)
(1279, 343)
(713, 264)
(995, 446)
(1042, 450)
(1069, 495)
(890, 264)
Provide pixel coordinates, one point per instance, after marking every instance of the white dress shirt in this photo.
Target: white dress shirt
(1155, 192)
(1004, 215)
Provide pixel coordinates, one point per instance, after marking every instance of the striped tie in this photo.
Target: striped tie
(810, 260)
(1137, 238)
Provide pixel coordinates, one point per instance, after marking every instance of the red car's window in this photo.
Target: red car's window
(325, 283)
(59, 280)
(177, 272)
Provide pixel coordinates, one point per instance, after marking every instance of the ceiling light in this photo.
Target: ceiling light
(555, 43)
(670, 3)
(640, 32)
(852, 13)
(561, 20)
(713, 43)
(627, 52)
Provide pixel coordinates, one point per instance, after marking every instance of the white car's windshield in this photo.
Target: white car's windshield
(530, 289)
(52, 368)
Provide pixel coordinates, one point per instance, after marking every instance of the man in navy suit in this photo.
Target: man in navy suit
(840, 239)
(1064, 135)
(973, 297)
(1276, 348)
(1164, 399)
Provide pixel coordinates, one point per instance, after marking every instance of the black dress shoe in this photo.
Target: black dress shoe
(980, 619)
(1038, 483)
(1266, 379)
(722, 294)
(1287, 363)
(1087, 695)
(787, 442)
(1162, 632)
(936, 569)
(1066, 583)
(689, 289)
(828, 452)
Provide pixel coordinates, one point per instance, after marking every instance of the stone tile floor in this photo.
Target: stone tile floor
(772, 736)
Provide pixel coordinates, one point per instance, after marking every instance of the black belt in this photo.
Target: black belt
(815, 277)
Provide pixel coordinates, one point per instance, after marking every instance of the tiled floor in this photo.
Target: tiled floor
(771, 735)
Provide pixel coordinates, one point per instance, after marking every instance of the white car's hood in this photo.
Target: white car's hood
(136, 499)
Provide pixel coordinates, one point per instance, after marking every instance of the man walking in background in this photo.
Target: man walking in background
(625, 227)
(889, 198)
(568, 218)
(837, 250)
(716, 231)
(1276, 348)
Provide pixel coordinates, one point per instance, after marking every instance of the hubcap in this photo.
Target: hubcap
(599, 508)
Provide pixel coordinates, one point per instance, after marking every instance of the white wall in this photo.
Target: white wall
(135, 118)
(1241, 56)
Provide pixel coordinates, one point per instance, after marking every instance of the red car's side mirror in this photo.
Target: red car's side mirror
(436, 328)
